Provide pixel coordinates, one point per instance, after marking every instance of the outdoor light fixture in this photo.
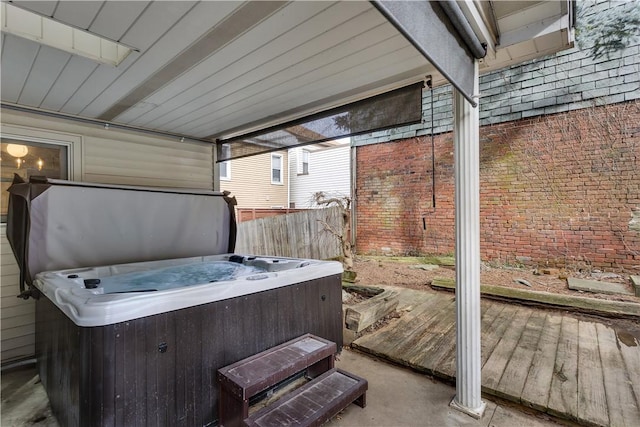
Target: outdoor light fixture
(40, 164)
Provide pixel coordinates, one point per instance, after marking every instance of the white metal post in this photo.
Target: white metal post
(467, 220)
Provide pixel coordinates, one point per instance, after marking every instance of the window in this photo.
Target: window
(276, 168)
(305, 162)
(225, 167)
(27, 158)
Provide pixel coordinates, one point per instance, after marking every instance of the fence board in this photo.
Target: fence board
(297, 235)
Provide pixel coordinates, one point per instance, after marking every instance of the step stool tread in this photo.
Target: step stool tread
(314, 403)
(254, 374)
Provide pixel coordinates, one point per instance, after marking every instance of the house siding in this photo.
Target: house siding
(329, 171)
(103, 156)
(251, 182)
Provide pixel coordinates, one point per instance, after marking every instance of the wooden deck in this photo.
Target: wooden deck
(579, 368)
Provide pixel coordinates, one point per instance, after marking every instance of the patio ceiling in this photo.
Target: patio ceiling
(214, 69)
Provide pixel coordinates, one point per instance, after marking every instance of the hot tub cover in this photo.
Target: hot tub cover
(55, 224)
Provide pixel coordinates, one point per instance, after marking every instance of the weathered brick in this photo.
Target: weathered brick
(520, 207)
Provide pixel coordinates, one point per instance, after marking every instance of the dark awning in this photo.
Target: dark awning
(388, 110)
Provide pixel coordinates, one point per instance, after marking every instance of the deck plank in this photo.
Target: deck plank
(515, 374)
(495, 366)
(563, 396)
(592, 402)
(490, 310)
(536, 388)
(630, 350)
(493, 332)
(391, 340)
(435, 326)
(622, 404)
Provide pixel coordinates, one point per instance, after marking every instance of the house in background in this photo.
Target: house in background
(257, 182)
(323, 167)
(288, 179)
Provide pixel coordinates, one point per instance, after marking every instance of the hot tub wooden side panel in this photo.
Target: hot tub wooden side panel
(160, 370)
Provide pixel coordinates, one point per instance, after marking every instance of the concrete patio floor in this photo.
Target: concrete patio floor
(397, 396)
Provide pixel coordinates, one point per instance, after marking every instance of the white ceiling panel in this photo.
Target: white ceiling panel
(95, 84)
(116, 17)
(45, 8)
(156, 20)
(207, 75)
(189, 29)
(18, 56)
(306, 72)
(297, 78)
(46, 68)
(79, 14)
(74, 74)
(215, 68)
(311, 87)
(249, 75)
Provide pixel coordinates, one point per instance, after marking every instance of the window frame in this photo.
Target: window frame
(281, 168)
(72, 144)
(227, 164)
(303, 154)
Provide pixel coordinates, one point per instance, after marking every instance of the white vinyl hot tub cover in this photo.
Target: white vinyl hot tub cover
(63, 224)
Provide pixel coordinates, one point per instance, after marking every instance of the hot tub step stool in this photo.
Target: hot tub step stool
(314, 403)
(246, 378)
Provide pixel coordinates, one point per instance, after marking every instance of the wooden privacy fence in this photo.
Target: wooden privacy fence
(296, 235)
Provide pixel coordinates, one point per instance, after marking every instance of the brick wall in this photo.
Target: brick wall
(557, 189)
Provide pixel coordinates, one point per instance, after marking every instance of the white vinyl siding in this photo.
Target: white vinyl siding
(98, 155)
(329, 171)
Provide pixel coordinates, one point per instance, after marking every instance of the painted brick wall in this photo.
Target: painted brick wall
(565, 81)
(558, 189)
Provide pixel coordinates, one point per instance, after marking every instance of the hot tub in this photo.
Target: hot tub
(118, 344)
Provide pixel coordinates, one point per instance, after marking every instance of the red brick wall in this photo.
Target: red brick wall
(556, 189)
